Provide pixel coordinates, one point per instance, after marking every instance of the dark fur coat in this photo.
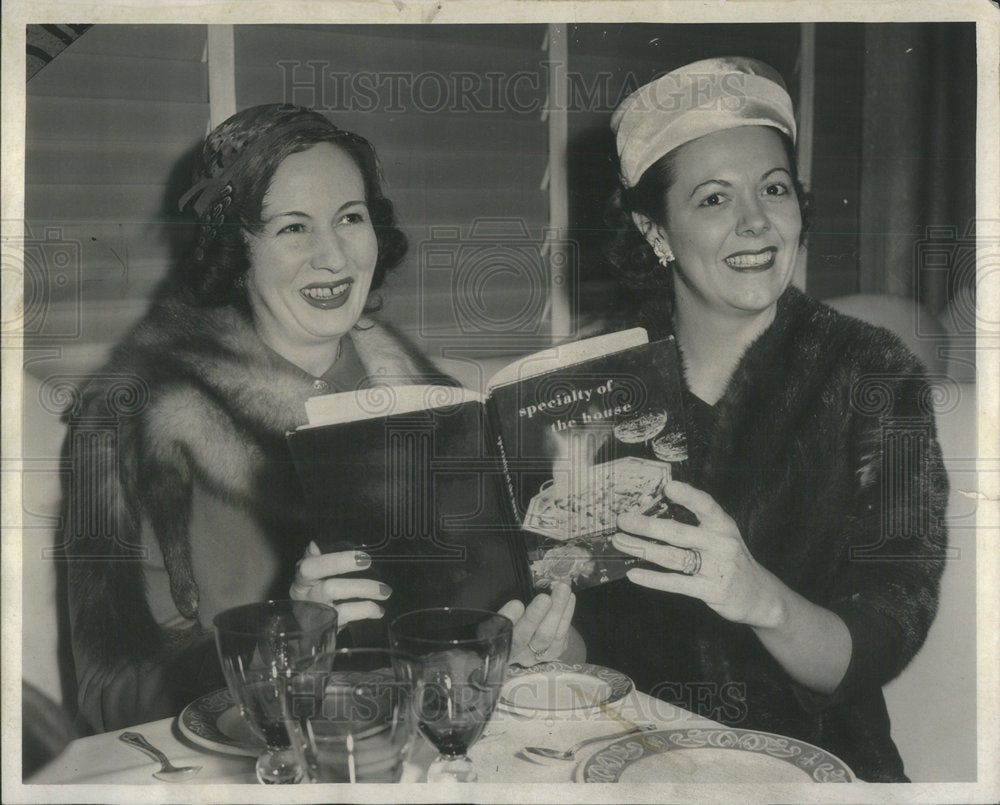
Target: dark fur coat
(823, 450)
(191, 398)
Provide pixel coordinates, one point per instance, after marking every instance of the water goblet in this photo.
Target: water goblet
(464, 656)
(259, 646)
(353, 719)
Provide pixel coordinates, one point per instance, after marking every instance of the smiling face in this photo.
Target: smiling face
(733, 221)
(312, 262)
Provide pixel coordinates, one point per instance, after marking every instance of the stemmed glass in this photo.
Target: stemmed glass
(640, 428)
(464, 656)
(260, 645)
(353, 720)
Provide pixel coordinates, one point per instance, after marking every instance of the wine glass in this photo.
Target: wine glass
(464, 656)
(353, 720)
(259, 646)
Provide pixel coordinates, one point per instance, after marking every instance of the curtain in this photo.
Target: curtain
(918, 173)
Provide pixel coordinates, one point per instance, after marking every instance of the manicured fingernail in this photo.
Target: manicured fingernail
(313, 549)
(362, 559)
(626, 539)
(384, 590)
(381, 611)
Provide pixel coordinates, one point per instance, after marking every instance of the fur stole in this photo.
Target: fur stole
(824, 451)
(194, 396)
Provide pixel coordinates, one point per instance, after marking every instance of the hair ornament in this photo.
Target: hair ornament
(226, 151)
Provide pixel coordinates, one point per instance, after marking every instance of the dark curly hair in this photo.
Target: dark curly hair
(645, 290)
(238, 161)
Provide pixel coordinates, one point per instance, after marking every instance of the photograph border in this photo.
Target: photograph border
(19, 13)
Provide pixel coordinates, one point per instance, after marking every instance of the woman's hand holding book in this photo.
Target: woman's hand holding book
(542, 629)
(319, 577)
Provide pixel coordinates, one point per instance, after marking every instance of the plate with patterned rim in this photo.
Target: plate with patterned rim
(214, 722)
(712, 755)
(557, 688)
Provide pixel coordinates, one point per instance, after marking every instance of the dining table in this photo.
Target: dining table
(499, 754)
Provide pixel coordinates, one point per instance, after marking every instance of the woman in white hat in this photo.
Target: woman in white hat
(809, 575)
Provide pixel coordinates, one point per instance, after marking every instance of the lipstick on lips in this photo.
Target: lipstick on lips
(752, 261)
(327, 295)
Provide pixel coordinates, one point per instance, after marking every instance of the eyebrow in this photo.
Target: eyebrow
(728, 184)
(301, 214)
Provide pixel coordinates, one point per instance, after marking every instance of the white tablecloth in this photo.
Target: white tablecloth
(103, 759)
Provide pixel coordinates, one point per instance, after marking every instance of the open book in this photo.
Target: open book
(466, 499)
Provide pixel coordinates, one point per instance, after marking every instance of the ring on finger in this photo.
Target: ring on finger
(692, 562)
(539, 655)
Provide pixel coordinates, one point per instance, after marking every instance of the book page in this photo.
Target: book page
(382, 401)
(548, 360)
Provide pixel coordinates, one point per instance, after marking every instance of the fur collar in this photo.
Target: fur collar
(215, 392)
(208, 405)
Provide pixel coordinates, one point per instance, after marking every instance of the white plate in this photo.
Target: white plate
(712, 755)
(555, 688)
(214, 722)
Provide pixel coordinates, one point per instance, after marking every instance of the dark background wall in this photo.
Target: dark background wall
(893, 145)
(113, 119)
(113, 124)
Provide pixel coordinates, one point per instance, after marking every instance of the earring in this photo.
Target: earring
(663, 254)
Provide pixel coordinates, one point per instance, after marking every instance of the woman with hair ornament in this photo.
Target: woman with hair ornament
(293, 235)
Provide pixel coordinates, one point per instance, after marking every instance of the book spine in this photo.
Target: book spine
(516, 536)
(493, 429)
